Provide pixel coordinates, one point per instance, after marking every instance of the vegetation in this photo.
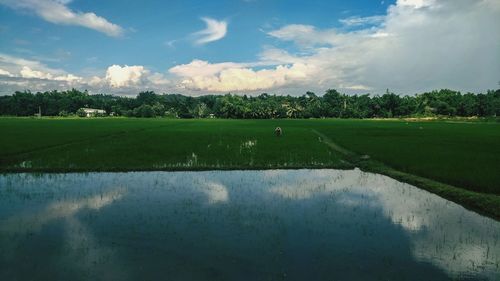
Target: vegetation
(459, 153)
(125, 144)
(264, 106)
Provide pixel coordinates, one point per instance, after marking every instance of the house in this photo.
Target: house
(92, 112)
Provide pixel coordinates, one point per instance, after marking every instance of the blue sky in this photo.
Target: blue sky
(248, 46)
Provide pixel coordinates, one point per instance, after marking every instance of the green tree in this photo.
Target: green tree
(145, 111)
(81, 113)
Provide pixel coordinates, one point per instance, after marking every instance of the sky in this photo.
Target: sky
(196, 47)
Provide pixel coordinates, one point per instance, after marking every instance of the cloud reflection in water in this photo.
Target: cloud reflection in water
(199, 220)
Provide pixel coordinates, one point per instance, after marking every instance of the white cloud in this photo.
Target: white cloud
(224, 77)
(68, 78)
(415, 3)
(14, 64)
(204, 68)
(14, 67)
(355, 87)
(158, 79)
(27, 72)
(20, 74)
(305, 35)
(360, 21)
(418, 45)
(125, 76)
(95, 81)
(134, 76)
(215, 30)
(5, 73)
(56, 11)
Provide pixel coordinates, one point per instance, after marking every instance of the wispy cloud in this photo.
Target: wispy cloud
(361, 21)
(56, 11)
(215, 30)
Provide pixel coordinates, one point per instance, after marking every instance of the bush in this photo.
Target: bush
(144, 110)
(63, 113)
(81, 113)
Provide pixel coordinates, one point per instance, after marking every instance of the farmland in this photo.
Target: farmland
(462, 154)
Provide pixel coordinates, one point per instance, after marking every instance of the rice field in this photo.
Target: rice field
(297, 207)
(462, 154)
(160, 144)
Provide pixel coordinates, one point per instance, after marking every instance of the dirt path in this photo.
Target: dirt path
(333, 145)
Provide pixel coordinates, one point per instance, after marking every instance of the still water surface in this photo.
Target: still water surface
(238, 225)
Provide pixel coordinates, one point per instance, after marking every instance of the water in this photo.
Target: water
(238, 225)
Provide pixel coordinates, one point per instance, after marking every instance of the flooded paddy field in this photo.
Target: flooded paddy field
(238, 225)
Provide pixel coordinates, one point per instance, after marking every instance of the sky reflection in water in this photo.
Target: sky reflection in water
(238, 225)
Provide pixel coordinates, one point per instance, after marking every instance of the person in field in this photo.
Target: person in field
(278, 131)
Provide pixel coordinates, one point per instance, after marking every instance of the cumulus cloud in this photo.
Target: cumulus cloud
(27, 72)
(56, 11)
(19, 74)
(134, 76)
(14, 64)
(125, 76)
(215, 30)
(225, 77)
(203, 68)
(15, 67)
(5, 73)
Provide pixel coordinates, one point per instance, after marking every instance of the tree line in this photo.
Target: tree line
(332, 104)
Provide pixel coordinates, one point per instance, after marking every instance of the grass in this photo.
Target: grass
(123, 144)
(437, 155)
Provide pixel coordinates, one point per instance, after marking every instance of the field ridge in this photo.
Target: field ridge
(486, 204)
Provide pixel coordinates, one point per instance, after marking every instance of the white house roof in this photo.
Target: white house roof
(93, 110)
